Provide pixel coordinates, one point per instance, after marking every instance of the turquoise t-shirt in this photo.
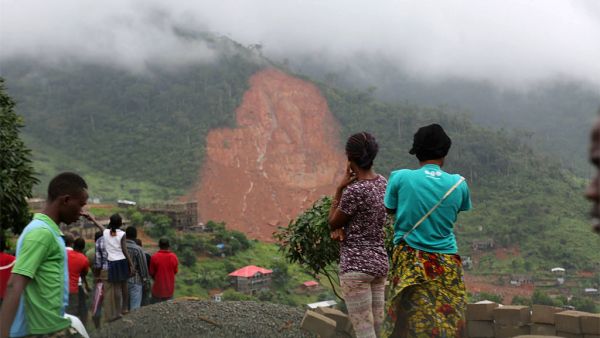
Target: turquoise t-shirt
(412, 193)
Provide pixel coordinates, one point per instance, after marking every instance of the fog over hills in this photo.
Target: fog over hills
(508, 43)
(531, 65)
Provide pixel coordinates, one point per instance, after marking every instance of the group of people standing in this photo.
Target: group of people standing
(48, 277)
(123, 270)
(427, 294)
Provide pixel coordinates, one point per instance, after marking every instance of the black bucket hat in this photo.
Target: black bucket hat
(430, 142)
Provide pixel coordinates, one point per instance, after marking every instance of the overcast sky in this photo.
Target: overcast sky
(505, 41)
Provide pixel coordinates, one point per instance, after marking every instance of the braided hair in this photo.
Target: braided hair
(361, 149)
(115, 223)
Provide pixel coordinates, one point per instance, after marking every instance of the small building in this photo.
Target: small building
(482, 244)
(326, 303)
(126, 204)
(251, 279)
(518, 280)
(310, 286)
(216, 295)
(467, 263)
(182, 214)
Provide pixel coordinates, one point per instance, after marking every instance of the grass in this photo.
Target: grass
(48, 162)
(260, 254)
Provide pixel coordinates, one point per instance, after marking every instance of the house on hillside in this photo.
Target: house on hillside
(182, 214)
(482, 244)
(251, 279)
(126, 204)
(310, 286)
(467, 263)
(518, 280)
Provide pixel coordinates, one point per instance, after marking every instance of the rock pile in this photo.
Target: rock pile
(195, 318)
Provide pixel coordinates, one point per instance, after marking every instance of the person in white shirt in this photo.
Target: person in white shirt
(120, 267)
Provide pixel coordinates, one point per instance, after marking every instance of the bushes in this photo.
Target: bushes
(306, 241)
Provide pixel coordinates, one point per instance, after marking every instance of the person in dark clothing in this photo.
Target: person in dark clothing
(593, 190)
(135, 283)
(148, 285)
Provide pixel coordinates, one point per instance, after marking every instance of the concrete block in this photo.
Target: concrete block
(543, 329)
(342, 320)
(509, 331)
(543, 314)
(512, 315)
(568, 335)
(480, 328)
(318, 324)
(481, 310)
(569, 321)
(590, 324)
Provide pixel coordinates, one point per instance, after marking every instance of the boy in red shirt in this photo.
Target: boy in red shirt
(78, 269)
(163, 267)
(6, 262)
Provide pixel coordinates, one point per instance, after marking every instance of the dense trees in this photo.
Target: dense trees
(16, 171)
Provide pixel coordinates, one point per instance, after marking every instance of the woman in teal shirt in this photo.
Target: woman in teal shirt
(428, 293)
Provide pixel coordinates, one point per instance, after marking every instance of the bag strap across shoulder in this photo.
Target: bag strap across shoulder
(462, 179)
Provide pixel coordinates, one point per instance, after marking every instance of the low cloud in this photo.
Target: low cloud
(508, 42)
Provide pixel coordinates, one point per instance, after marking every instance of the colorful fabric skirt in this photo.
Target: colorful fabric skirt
(118, 271)
(426, 295)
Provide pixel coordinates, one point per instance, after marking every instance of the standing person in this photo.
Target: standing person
(78, 269)
(358, 217)
(101, 279)
(163, 267)
(148, 284)
(136, 283)
(120, 267)
(83, 289)
(428, 296)
(38, 289)
(593, 190)
(6, 264)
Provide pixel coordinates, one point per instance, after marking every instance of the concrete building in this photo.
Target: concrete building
(183, 214)
(251, 279)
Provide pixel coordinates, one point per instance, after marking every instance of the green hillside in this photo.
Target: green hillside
(144, 127)
(142, 136)
(520, 197)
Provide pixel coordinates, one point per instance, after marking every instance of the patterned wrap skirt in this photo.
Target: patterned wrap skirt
(426, 295)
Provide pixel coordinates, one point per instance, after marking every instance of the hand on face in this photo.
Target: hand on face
(349, 177)
(338, 235)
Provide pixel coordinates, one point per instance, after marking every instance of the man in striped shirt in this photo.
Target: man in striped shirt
(136, 283)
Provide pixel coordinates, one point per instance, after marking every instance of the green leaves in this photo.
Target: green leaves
(306, 240)
(16, 171)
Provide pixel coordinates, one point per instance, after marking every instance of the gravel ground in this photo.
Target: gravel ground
(195, 318)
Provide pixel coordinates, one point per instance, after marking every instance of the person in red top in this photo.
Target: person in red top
(78, 269)
(163, 267)
(6, 263)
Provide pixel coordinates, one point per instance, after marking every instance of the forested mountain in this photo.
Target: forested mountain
(553, 115)
(150, 128)
(147, 127)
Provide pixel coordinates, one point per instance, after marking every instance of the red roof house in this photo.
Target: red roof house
(310, 284)
(251, 279)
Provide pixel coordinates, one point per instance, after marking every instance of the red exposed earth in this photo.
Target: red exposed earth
(283, 155)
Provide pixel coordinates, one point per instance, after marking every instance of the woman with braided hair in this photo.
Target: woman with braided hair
(357, 218)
